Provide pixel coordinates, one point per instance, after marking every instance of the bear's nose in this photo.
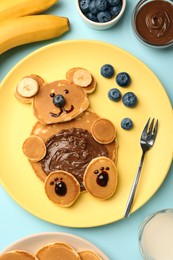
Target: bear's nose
(59, 100)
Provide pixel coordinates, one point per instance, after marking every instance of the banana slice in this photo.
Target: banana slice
(82, 78)
(28, 87)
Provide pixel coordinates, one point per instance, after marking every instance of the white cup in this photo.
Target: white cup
(156, 236)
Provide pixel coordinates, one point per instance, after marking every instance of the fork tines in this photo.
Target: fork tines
(149, 129)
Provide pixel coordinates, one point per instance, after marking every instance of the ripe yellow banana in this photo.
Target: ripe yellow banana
(15, 8)
(33, 28)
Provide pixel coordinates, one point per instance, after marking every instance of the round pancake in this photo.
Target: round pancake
(17, 255)
(101, 178)
(62, 188)
(88, 255)
(103, 131)
(34, 148)
(56, 251)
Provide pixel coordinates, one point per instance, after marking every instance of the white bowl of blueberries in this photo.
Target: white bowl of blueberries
(101, 14)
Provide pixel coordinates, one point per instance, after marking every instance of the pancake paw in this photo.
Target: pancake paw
(62, 188)
(103, 131)
(100, 178)
(34, 148)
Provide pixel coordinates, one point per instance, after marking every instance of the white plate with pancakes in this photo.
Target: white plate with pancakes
(51, 63)
(33, 243)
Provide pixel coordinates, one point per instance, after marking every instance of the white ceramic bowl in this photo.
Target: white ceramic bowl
(101, 26)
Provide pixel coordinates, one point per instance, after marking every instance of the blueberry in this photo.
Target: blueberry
(84, 5)
(114, 94)
(115, 10)
(114, 2)
(107, 71)
(101, 5)
(92, 7)
(60, 188)
(123, 79)
(104, 16)
(59, 100)
(102, 179)
(92, 17)
(129, 99)
(127, 124)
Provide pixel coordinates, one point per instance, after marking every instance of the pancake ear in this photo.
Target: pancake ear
(103, 131)
(28, 87)
(82, 78)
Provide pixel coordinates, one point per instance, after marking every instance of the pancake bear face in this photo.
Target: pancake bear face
(55, 102)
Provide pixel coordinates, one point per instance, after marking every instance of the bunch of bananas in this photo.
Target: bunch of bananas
(21, 23)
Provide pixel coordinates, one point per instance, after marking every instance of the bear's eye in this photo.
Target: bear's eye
(52, 95)
(66, 91)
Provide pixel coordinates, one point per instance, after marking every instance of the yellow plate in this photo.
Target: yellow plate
(17, 119)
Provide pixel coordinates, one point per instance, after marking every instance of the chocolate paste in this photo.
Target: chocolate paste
(154, 22)
(71, 150)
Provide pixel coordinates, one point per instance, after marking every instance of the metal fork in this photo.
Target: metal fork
(147, 140)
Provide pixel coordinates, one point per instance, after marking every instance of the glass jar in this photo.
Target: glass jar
(156, 236)
(152, 22)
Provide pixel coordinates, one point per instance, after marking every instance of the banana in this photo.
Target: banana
(27, 87)
(82, 78)
(15, 8)
(33, 28)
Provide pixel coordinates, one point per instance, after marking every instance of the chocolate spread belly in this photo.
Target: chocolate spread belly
(154, 22)
(71, 150)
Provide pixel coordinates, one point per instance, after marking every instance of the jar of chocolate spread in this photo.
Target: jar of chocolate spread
(152, 22)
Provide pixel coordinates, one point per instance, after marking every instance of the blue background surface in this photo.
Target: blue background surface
(118, 240)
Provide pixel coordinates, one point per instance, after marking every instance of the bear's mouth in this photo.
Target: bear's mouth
(62, 110)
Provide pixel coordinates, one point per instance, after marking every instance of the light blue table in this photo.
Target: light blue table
(118, 240)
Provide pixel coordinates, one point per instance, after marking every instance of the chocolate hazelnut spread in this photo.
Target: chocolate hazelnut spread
(71, 150)
(154, 22)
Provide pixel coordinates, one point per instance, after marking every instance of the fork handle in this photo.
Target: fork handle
(134, 187)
